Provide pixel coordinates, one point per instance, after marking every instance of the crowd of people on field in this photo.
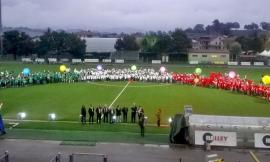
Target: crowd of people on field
(12, 79)
(217, 80)
(145, 75)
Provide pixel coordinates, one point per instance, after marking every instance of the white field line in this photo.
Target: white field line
(40, 121)
(13, 124)
(155, 145)
(254, 157)
(62, 121)
(133, 86)
(119, 94)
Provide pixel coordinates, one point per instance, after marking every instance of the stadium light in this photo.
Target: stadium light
(145, 120)
(114, 119)
(21, 115)
(52, 116)
(80, 117)
(170, 120)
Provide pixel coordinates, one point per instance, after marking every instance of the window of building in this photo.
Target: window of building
(223, 56)
(204, 55)
(194, 55)
(214, 56)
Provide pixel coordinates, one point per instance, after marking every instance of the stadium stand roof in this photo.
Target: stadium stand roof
(100, 45)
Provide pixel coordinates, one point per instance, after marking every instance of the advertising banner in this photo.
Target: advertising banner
(215, 138)
(262, 140)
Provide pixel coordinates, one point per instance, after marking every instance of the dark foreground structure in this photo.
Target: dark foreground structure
(2, 127)
(228, 131)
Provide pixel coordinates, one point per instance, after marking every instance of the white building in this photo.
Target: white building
(100, 45)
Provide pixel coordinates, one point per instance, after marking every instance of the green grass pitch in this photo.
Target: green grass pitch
(66, 99)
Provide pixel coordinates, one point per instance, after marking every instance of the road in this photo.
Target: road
(39, 150)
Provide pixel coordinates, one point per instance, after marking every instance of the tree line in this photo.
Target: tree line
(51, 43)
(56, 44)
(225, 28)
(156, 42)
(178, 41)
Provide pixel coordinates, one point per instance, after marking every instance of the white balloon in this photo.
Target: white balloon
(162, 69)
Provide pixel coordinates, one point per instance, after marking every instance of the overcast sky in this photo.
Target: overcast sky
(137, 14)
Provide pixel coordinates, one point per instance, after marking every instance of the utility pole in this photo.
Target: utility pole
(1, 31)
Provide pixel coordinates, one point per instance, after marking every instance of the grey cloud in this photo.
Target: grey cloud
(139, 14)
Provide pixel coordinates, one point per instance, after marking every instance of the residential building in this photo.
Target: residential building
(208, 49)
(209, 42)
(217, 43)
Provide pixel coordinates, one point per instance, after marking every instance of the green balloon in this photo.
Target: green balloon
(133, 67)
(198, 71)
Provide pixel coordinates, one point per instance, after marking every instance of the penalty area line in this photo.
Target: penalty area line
(119, 94)
(13, 124)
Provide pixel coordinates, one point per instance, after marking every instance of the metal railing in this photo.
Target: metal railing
(72, 156)
(5, 157)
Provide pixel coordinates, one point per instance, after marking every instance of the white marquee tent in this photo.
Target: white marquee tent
(265, 53)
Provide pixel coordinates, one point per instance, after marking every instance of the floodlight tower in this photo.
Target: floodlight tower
(1, 31)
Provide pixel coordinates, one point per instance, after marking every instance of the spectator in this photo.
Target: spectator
(83, 115)
(142, 123)
(91, 113)
(158, 115)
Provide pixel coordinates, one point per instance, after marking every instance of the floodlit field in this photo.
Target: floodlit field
(65, 100)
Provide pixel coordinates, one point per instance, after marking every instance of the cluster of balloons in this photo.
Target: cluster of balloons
(266, 79)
